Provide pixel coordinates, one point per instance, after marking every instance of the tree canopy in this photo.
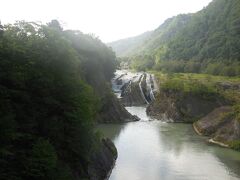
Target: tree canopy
(48, 103)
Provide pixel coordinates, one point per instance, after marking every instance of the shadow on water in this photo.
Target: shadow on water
(230, 158)
(111, 131)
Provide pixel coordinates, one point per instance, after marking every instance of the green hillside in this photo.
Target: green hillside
(204, 42)
(213, 33)
(126, 46)
(165, 32)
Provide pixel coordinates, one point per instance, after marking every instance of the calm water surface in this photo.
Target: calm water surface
(154, 150)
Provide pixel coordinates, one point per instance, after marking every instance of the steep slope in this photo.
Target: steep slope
(150, 40)
(98, 66)
(204, 42)
(213, 32)
(164, 33)
(125, 47)
(48, 103)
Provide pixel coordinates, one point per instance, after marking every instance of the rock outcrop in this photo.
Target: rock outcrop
(220, 125)
(212, 115)
(136, 89)
(176, 107)
(131, 95)
(102, 161)
(114, 112)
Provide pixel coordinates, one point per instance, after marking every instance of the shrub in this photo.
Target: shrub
(235, 145)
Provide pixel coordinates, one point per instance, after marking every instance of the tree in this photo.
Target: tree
(55, 25)
(48, 106)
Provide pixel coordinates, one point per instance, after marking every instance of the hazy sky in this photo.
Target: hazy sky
(108, 19)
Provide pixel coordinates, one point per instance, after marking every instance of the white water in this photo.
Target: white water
(140, 87)
(149, 87)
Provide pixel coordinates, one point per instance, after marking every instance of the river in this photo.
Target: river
(154, 150)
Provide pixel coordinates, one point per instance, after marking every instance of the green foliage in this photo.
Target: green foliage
(236, 110)
(42, 161)
(203, 85)
(235, 145)
(142, 63)
(210, 34)
(187, 85)
(208, 66)
(204, 42)
(48, 101)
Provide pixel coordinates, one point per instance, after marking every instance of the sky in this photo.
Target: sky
(109, 20)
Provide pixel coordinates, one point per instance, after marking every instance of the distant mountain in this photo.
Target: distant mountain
(164, 33)
(151, 39)
(124, 47)
(211, 35)
(213, 32)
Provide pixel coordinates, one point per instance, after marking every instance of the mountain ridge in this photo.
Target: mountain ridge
(207, 41)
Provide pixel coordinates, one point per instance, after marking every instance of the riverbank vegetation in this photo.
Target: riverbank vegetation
(204, 85)
(51, 83)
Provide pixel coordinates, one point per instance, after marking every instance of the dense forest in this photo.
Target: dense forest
(52, 86)
(204, 42)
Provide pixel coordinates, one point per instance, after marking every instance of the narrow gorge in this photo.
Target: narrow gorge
(169, 129)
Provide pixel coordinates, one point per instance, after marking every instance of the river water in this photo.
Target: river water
(154, 150)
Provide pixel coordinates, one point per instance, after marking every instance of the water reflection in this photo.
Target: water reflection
(230, 158)
(152, 150)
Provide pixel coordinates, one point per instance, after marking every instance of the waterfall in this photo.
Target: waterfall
(140, 87)
(149, 87)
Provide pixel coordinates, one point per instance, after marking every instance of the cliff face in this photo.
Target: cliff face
(102, 162)
(178, 107)
(114, 112)
(220, 125)
(131, 95)
(211, 117)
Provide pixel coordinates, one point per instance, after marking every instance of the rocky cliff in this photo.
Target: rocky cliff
(102, 161)
(113, 111)
(212, 113)
(178, 107)
(131, 95)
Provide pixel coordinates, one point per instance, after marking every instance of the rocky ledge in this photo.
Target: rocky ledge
(210, 117)
(220, 125)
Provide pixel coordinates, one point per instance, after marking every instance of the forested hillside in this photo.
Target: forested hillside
(49, 100)
(165, 32)
(125, 47)
(205, 42)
